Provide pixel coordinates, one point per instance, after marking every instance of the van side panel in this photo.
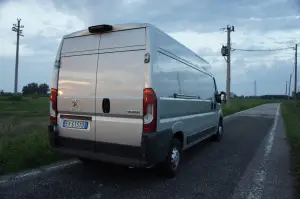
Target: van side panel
(121, 79)
(193, 112)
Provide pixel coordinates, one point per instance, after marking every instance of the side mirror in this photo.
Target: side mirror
(223, 97)
(218, 98)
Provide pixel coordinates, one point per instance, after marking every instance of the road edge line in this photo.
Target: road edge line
(251, 183)
(39, 170)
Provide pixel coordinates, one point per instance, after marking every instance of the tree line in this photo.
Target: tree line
(43, 89)
(34, 88)
(31, 89)
(268, 97)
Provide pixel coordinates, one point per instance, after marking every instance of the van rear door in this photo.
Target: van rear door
(121, 78)
(76, 91)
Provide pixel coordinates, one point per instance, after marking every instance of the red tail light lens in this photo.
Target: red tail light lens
(53, 106)
(149, 111)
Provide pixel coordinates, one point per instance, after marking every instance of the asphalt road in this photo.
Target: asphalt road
(250, 162)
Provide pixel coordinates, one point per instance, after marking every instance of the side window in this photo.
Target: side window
(205, 86)
(196, 83)
(188, 80)
(166, 76)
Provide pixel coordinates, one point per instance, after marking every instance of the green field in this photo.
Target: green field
(24, 139)
(291, 115)
(23, 134)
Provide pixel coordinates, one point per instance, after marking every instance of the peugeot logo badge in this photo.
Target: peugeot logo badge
(74, 102)
(75, 105)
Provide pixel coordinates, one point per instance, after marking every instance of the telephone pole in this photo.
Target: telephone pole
(226, 51)
(290, 85)
(295, 83)
(17, 28)
(255, 88)
(286, 83)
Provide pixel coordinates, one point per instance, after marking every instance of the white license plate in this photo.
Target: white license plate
(75, 124)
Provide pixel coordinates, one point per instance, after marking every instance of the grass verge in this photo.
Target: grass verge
(23, 134)
(241, 104)
(291, 117)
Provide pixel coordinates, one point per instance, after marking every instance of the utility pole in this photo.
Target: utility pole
(17, 28)
(286, 83)
(290, 86)
(295, 83)
(255, 88)
(226, 51)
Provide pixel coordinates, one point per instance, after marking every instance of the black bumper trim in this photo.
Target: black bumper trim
(154, 147)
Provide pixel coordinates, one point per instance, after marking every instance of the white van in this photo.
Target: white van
(132, 95)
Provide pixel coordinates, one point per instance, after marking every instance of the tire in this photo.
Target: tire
(219, 134)
(170, 165)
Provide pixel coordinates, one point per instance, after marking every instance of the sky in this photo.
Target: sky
(268, 24)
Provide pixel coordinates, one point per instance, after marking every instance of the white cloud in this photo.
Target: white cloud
(133, 1)
(39, 19)
(257, 27)
(291, 17)
(199, 42)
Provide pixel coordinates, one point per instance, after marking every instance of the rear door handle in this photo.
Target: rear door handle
(106, 105)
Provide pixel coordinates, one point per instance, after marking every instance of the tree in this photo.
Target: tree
(43, 89)
(31, 88)
(233, 95)
(1, 92)
(34, 88)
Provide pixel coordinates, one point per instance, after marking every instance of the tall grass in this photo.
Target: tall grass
(23, 134)
(291, 117)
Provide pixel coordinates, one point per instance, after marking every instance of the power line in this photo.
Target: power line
(259, 50)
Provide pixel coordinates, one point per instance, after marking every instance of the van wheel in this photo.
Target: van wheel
(171, 163)
(220, 131)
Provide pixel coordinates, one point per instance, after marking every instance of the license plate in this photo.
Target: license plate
(73, 124)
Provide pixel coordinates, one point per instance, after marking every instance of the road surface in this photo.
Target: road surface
(251, 162)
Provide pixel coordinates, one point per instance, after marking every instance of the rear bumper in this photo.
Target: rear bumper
(154, 148)
(102, 157)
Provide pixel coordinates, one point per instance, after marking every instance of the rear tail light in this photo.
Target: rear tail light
(149, 111)
(53, 106)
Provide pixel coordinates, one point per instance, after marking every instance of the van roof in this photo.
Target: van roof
(116, 27)
(128, 26)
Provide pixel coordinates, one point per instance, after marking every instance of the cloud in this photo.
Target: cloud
(44, 26)
(259, 25)
(39, 19)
